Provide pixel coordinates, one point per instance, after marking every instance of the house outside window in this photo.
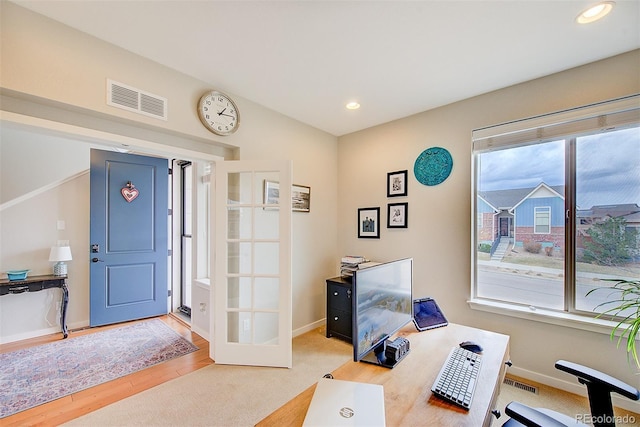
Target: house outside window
(553, 192)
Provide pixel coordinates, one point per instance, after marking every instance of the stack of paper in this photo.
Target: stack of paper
(351, 263)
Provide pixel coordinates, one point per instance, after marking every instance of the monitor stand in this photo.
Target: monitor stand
(388, 353)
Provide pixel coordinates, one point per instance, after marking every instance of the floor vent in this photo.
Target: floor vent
(521, 386)
(132, 99)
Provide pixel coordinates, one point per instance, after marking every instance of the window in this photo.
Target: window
(186, 236)
(542, 224)
(559, 199)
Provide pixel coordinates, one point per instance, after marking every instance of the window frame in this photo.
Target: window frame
(547, 211)
(566, 125)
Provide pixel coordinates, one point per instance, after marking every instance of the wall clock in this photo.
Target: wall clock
(218, 113)
(433, 166)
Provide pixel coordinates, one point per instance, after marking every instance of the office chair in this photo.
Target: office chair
(599, 388)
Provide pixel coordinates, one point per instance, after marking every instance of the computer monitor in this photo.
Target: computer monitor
(382, 304)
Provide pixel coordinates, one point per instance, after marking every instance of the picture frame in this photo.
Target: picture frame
(300, 196)
(369, 223)
(398, 215)
(271, 194)
(397, 184)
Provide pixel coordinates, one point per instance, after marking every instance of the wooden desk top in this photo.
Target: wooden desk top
(407, 387)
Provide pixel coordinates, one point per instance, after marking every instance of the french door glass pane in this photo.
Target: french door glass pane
(239, 188)
(239, 327)
(267, 223)
(607, 213)
(266, 331)
(520, 237)
(239, 292)
(267, 290)
(267, 258)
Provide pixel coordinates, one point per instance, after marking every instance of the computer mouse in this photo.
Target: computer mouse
(471, 346)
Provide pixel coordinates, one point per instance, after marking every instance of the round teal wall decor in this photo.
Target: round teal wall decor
(433, 166)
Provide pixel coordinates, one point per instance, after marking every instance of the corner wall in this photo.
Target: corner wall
(438, 235)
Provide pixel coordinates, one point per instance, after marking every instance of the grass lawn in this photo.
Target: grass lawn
(522, 257)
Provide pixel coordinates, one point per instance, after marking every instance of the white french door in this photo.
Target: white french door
(251, 293)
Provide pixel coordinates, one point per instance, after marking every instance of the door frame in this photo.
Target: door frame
(106, 141)
(178, 184)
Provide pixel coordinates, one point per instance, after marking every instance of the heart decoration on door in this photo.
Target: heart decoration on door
(129, 192)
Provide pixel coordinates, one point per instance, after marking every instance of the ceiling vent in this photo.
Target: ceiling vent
(132, 99)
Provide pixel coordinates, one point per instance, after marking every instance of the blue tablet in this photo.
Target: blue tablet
(427, 314)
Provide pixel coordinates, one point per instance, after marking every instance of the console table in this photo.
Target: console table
(408, 399)
(38, 283)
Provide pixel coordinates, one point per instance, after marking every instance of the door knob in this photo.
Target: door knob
(96, 260)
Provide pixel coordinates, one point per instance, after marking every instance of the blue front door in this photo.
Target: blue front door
(128, 237)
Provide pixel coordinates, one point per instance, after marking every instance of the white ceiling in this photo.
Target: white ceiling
(306, 59)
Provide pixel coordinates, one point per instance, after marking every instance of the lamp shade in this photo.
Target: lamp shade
(60, 253)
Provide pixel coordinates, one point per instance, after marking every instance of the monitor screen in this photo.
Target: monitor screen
(381, 304)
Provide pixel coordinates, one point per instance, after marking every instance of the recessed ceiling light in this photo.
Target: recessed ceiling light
(595, 12)
(353, 105)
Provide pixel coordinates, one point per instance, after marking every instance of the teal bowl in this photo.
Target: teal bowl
(17, 274)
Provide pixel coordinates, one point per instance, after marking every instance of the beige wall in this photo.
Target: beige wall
(64, 73)
(49, 71)
(438, 236)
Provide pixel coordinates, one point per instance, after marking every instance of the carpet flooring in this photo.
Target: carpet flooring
(37, 375)
(224, 395)
(220, 395)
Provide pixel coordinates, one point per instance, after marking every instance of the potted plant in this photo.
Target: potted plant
(627, 307)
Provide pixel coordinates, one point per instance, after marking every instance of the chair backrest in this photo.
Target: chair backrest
(599, 387)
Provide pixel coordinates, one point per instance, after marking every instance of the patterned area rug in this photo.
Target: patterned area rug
(36, 375)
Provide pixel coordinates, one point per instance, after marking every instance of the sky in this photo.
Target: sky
(608, 168)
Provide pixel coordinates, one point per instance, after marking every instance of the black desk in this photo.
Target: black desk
(38, 283)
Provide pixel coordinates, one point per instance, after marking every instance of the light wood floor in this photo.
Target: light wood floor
(85, 401)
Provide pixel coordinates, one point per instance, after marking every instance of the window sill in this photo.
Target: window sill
(546, 316)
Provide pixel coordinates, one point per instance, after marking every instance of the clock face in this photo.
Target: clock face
(218, 113)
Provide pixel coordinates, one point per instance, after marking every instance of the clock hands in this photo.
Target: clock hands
(221, 113)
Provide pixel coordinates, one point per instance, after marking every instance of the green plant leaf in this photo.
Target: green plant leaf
(624, 296)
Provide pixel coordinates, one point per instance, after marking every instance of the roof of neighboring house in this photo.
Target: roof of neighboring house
(633, 218)
(507, 199)
(613, 211)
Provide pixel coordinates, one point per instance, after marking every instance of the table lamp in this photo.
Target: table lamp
(60, 254)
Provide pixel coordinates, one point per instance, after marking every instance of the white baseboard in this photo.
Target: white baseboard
(309, 327)
(204, 334)
(571, 387)
(42, 332)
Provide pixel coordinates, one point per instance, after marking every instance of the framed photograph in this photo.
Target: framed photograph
(271, 194)
(397, 184)
(397, 215)
(300, 196)
(369, 223)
